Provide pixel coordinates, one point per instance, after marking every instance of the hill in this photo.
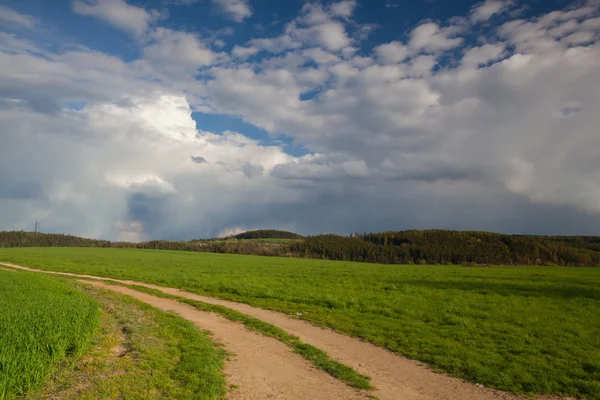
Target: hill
(266, 234)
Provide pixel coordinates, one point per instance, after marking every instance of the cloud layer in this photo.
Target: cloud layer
(119, 13)
(446, 128)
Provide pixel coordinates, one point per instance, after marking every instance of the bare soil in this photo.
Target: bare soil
(286, 376)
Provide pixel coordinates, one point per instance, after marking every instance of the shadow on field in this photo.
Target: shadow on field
(505, 289)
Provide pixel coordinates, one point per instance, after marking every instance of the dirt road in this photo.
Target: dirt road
(261, 367)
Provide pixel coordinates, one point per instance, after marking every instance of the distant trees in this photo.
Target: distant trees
(452, 247)
(406, 247)
(266, 234)
(34, 239)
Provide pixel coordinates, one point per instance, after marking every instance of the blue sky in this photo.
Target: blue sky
(175, 119)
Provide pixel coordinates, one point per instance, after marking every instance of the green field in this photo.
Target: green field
(522, 329)
(61, 340)
(43, 322)
(141, 353)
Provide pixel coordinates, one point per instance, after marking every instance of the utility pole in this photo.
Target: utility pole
(36, 227)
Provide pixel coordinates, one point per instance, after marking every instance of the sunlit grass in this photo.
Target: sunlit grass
(142, 353)
(522, 329)
(43, 322)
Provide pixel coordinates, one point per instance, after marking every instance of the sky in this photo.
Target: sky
(179, 119)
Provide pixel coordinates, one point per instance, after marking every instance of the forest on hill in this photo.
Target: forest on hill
(266, 234)
(405, 247)
(453, 247)
(34, 239)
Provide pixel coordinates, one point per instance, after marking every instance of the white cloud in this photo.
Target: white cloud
(482, 12)
(362, 62)
(314, 27)
(274, 45)
(344, 71)
(11, 43)
(331, 35)
(160, 113)
(482, 55)
(317, 27)
(370, 111)
(118, 13)
(178, 49)
(320, 56)
(392, 53)
(47, 81)
(260, 98)
(129, 170)
(421, 66)
(244, 52)
(237, 10)
(343, 9)
(430, 37)
(578, 38)
(591, 24)
(545, 33)
(564, 28)
(11, 16)
(145, 183)
(312, 13)
(576, 13)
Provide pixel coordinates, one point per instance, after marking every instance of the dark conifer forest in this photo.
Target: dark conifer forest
(267, 234)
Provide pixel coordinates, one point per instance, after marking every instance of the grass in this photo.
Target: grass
(142, 353)
(521, 329)
(318, 357)
(44, 323)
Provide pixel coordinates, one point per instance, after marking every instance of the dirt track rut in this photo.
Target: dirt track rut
(395, 377)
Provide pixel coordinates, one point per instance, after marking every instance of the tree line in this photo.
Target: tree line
(266, 234)
(453, 247)
(34, 239)
(405, 247)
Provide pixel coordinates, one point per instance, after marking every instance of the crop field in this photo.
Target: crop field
(43, 322)
(521, 329)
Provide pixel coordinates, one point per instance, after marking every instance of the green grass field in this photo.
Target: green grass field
(43, 322)
(522, 329)
(141, 353)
